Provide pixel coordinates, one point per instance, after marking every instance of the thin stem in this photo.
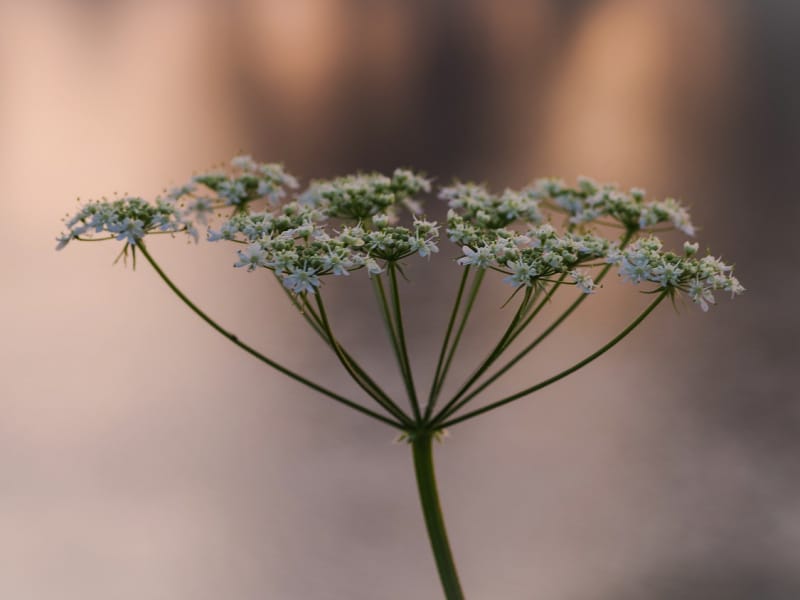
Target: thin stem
(439, 363)
(408, 377)
(461, 398)
(314, 319)
(532, 315)
(316, 323)
(490, 359)
(564, 373)
(383, 304)
(422, 448)
(253, 352)
(367, 385)
(312, 322)
(473, 294)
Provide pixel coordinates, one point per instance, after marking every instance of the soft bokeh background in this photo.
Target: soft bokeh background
(144, 458)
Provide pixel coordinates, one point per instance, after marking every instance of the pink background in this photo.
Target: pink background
(143, 457)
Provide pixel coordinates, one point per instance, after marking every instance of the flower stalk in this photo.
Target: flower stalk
(255, 353)
(422, 449)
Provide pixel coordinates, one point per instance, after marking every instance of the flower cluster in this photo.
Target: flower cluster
(301, 255)
(699, 278)
(363, 196)
(588, 201)
(533, 257)
(479, 210)
(245, 182)
(392, 243)
(294, 241)
(130, 219)
(127, 219)
(290, 219)
(349, 223)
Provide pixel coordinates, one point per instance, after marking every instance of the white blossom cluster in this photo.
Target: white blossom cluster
(531, 258)
(699, 278)
(291, 219)
(245, 181)
(477, 209)
(392, 243)
(300, 257)
(589, 201)
(303, 253)
(130, 219)
(126, 219)
(363, 196)
(351, 223)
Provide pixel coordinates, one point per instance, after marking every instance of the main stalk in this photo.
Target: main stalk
(422, 446)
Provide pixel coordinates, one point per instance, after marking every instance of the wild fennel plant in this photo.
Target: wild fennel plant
(372, 223)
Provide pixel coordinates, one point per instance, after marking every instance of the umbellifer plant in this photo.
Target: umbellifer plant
(372, 223)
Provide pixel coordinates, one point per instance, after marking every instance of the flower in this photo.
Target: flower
(252, 257)
(521, 274)
(480, 257)
(583, 281)
(476, 206)
(301, 280)
(590, 201)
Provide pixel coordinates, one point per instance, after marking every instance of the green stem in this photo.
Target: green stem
(408, 377)
(315, 322)
(422, 447)
(532, 315)
(473, 294)
(439, 363)
(562, 374)
(383, 304)
(253, 352)
(490, 359)
(304, 312)
(367, 384)
(363, 377)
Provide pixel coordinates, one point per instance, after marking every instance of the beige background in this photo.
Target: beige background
(142, 457)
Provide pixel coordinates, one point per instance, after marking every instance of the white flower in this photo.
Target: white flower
(583, 281)
(666, 275)
(301, 280)
(337, 263)
(373, 268)
(129, 230)
(482, 257)
(233, 192)
(251, 257)
(228, 231)
(633, 269)
(424, 247)
(700, 294)
(283, 261)
(521, 274)
(733, 286)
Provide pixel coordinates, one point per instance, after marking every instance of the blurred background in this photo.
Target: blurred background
(143, 457)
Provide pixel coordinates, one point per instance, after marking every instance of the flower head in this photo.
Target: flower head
(354, 222)
(645, 262)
